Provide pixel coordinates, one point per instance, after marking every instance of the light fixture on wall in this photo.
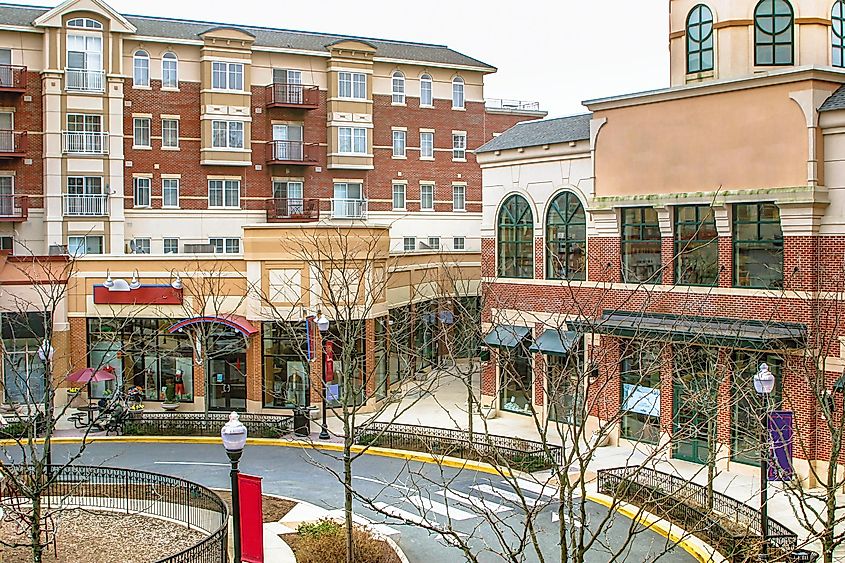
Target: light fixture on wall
(177, 281)
(109, 283)
(134, 284)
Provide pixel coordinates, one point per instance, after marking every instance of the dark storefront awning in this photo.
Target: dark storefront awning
(506, 336)
(704, 331)
(555, 342)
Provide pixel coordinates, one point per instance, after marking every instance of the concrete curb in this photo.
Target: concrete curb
(686, 541)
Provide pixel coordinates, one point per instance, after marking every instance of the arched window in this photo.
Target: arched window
(426, 95)
(773, 33)
(169, 70)
(700, 39)
(516, 239)
(837, 31)
(398, 88)
(141, 69)
(566, 239)
(458, 93)
(84, 23)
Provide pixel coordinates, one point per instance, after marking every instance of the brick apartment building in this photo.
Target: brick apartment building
(152, 149)
(669, 242)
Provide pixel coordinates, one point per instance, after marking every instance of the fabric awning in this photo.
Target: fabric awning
(704, 331)
(237, 322)
(555, 342)
(506, 336)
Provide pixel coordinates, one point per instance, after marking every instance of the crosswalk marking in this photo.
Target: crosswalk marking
(556, 518)
(475, 502)
(427, 504)
(546, 490)
(508, 495)
(405, 515)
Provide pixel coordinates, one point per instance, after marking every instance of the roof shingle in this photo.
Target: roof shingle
(835, 101)
(545, 132)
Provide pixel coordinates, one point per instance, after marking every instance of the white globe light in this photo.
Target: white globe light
(764, 380)
(323, 323)
(233, 434)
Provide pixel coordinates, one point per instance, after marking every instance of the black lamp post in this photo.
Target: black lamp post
(764, 383)
(323, 327)
(234, 439)
(45, 354)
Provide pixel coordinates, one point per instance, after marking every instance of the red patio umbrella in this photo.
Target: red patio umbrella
(87, 375)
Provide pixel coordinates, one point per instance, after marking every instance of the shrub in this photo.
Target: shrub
(325, 542)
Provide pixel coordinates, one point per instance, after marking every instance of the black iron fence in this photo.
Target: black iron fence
(133, 492)
(205, 424)
(730, 526)
(516, 453)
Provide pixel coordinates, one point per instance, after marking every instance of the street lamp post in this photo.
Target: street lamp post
(45, 354)
(323, 327)
(764, 383)
(234, 439)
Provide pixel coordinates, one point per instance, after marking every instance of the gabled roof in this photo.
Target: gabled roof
(52, 17)
(544, 132)
(835, 101)
(166, 28)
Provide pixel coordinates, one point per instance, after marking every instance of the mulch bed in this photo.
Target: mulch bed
(94, 537)
(294, 540)
(274, 508)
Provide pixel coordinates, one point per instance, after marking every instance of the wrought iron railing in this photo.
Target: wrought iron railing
(12, 142)
(289, 151)
(349, 208)
(85, 80)
(205, 424)
(86, 205)
(730, 526)
(292, 95)
(134, 492)
(12, 77)
(292, 209)
(85, 142)
(515, 105)
(507, 451)
(14, 207)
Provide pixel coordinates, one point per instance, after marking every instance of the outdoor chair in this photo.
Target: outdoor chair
(79, 419)
(116, 421)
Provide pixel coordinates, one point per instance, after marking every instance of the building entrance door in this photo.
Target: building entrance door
(689, 436)
(227, 383)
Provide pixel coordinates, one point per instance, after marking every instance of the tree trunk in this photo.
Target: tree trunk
(35, 530)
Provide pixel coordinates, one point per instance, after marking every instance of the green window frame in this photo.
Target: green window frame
(774, 34)
(699, 39)
(566, 239)
(696, 246)
(757, 246)
(640, 372)
(515, 239)
(837, 34)
(746, 412)
(641, 245)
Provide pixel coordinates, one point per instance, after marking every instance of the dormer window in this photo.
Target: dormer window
(773, 33)
(84, 23)
(700, 39)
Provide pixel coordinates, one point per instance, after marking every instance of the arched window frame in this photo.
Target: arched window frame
(426, 91)
(458, 93)
(837, 34)
(169, 75)
(566, 215)
(84, 23)
(515, 238)
(774, 42)
(398, 82)
(141, 68)
(700, 39)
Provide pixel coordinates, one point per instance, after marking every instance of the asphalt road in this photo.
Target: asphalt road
(408, 490)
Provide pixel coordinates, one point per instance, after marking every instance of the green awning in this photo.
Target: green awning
(555, 342)
(702, 331)
(506, 336)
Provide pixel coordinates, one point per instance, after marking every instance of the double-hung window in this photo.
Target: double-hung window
(141, 132)
(142, 192)
(696, 246)
(224, 193)
(81, 245)
(227, 76)
(426, 144)
(352, 140)
(170, 133)
(459, 243)
(171, 246)
(434, 243)
(399, 144)
(141, 246)
(85, 62)
(227, 134)
(758, 246)
(170, 192)
(641, 245)
(409, 244)
(459, 146)
(427, 197)
(352, 85)
(458, 99)
(398, 197)
(141, 69)
(426, 97)
(169, 71)
(459, 197)
(398, 81)
(226, 245)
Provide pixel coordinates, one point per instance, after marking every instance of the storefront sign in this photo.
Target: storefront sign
(780, 432)
(144, 295)
(252, 519)
(641, 400)
(329, 361)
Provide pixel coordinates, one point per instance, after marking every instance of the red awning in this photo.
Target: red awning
(237, 322)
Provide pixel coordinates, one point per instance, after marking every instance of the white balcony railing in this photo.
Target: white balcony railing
(86, 205)
(85, 142)
(85, 80)
(349, 208)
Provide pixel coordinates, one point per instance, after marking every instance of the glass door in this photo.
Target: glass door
(227, 383)
(7, 191)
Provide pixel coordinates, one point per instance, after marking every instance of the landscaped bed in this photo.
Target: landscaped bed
(325, 542)
(94, 537)
(274, 508)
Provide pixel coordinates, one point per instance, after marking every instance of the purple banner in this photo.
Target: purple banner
(780, 433)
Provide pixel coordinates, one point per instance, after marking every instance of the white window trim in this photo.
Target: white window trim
(404, 196)
(164, 248)
(149, 121)
(135, 204)
(464, 208)
(398, 75)
(427, 132)
(178, 134)
(352, 85)
(433, 203)
(227, 88)
(146, 56)
(228, 147)
(178, 193)
(352, 141)
(404, 154)
(223, 193)
(176, 59)
(430, 80)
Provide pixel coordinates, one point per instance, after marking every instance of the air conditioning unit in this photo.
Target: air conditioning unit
(57, 250)
(199, 248)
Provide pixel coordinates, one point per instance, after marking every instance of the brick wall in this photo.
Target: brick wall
(28, 117)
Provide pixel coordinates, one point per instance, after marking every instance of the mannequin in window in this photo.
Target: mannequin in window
(180, 384)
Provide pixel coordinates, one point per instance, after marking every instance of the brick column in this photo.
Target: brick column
(604, 395)
(667, 259)
(316, 371)
(370, 354)
(604, 262)
(667, 391)
(488, 378)
(724, 399)
(539, 258)
(800, 399)
(78, 343)
(254, 371)
(725, 262)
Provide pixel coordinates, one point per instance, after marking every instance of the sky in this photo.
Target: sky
(559, 53)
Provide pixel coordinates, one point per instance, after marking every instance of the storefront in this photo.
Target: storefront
(400, 362)
(516, 375)
(345, 361)
(286, 372)
(23, 334)
(565, 378)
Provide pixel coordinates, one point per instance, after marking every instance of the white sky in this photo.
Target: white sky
(556, 52)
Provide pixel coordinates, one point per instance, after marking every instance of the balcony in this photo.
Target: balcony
(293, 210)
(85, 142)
(13, 208)
(283, 95)
(85, 80)
(291, 153)
(86, 205)
(12, 143)
(349, 208)
(498, 105)
(12, 79)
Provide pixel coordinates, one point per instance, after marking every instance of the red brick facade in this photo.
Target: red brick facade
(29, 169)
